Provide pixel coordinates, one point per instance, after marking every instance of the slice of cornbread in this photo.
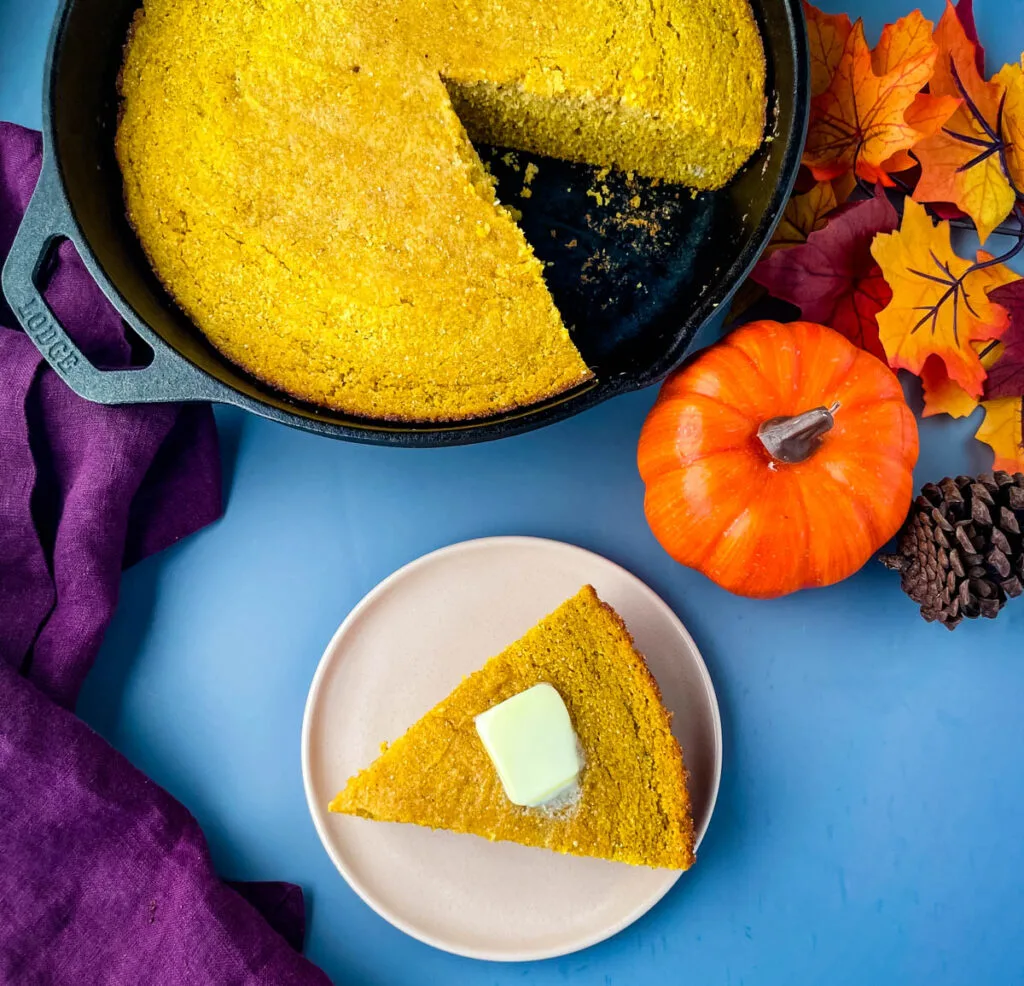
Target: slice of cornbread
(298, 174)
(633, 805)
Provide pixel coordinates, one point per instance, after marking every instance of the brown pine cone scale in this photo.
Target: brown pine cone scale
(960, 553)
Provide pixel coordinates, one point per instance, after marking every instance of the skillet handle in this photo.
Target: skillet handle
(168, 378)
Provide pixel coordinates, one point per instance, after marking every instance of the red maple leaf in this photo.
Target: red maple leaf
(948, 211)
(832, 278)
(1006, 377)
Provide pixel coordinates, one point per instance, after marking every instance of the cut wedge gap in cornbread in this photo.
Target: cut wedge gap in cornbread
(632, 805)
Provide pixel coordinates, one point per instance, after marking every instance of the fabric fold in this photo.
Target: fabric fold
(104, 877)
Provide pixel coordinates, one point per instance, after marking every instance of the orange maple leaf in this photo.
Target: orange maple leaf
(1003, 431)
(940, 302)
(908, 38)
(859, 123)
(965, 161)
(926, 115)
(804, 214)
(945, 396)
(826, 38)
(928, 112)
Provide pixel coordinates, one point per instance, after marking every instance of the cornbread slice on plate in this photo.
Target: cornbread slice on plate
(632, 804)
(301, 179)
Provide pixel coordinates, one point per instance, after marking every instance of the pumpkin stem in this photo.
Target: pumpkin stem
(793, 439)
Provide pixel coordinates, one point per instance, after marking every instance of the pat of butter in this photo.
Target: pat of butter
(530, 739)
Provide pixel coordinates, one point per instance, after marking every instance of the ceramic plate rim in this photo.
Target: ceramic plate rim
(385, 912)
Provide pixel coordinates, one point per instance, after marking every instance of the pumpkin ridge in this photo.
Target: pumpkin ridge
(727, 523)
(800, 497)
(798, 367)
(861, 504)
(768, 383)
(864, 402)
(862, 511)
(655, 467)
(720, 402)
(839, 375)
(681, 464)
(752, 499)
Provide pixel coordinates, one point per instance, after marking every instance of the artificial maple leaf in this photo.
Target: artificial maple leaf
(957, 56)
(1011, 77)
(940, 302)
(844, 186)
(945, 396)
(832, 278)
(859, 122)
(946, 210)
(1003, 431)
(965, 14)
(927, 115)
(1006, 377)
(826, 37)
(907, 39)
(804, 214)
(963, 163)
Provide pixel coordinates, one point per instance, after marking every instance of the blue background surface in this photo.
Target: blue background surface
(869, 824)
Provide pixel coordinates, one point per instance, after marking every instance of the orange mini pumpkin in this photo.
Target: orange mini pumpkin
(778, 460)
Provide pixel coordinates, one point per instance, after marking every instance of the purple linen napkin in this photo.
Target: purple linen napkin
(104, 878)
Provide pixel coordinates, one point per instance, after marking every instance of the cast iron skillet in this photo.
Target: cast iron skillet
(635, 284)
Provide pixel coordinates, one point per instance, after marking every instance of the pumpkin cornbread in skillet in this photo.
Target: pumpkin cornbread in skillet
(301, 178)
(632, 804)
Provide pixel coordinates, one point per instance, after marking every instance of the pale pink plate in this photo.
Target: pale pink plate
(401, 650)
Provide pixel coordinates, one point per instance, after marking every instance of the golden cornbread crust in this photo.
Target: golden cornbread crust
(299, 177)
(633, 803)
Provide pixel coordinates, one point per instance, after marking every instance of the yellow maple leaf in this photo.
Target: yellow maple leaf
(804, 214)
(1011, 77)
(962, 163)
(1002, 431)
(940, 302)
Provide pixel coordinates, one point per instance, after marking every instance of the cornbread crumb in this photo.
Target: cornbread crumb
(633, 805)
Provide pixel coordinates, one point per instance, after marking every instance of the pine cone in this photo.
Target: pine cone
(960, 551)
